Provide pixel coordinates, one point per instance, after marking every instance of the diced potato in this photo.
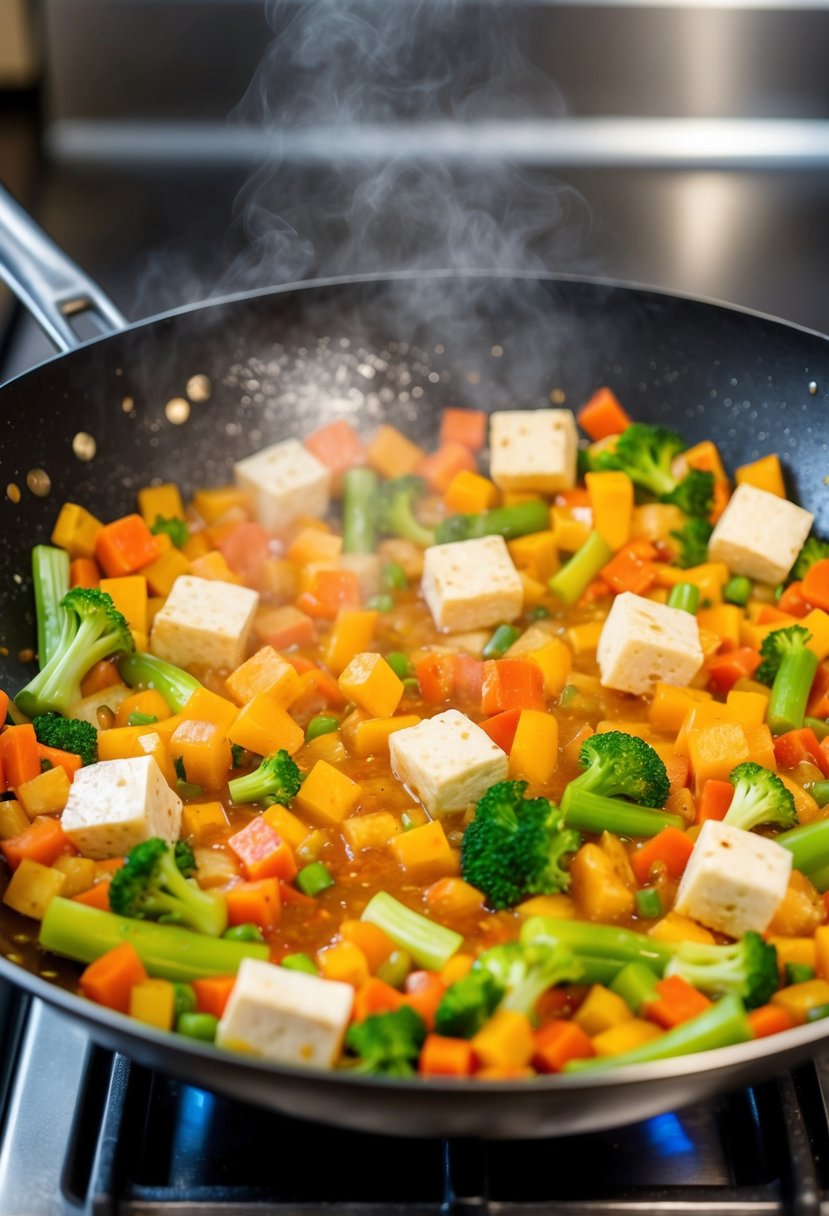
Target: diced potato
(800, 911)
(45, 794)
(13, 819)
(80, 874)
(597, 888)
(32, 888)
(371, 831)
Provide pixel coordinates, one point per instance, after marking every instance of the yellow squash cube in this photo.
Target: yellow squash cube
(264, 727)
(154, 1003)
(373, 831)
(198, 818)
(534, 752)
(162, 501)
(371, 735)
(45, 794)
(601, 1010)
(425, 851)
(264, 672)
(163, 572)
(369, 682)
(204, 751)
(327, 795)
(351, 633)
(76, 531)
(129, 594)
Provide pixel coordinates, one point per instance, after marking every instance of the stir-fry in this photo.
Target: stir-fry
(503, 759)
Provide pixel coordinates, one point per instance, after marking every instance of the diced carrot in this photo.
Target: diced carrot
(375, 996)
(792, 601)
(43, 841)
(441, 1056)
(337, 445)
(124, 546)
(449, 898)
(374, 943)
(244, 549)
(464, 426)
(96, 896)
(678, 770)
(262, 851)
(799, 745)
(292, 895)
(724, 670)
(84, 572)
(602, 415)
(502, 727)
(438, 468)
(100, 676)
(677, 1002)
(628, 571)
(18, 754)
(284, 627)
(714, 800)
(577, 498)
(815, 585)
(111, 978)
(671, 847)
(469, 679)
(330, 590)
(769, 1019)
(325, 684)
(55, 758)
(213, 993)
(818, 706)
(436, 677)
(558, 1042)
(255, 903)
(424, 992)
(512, 684)
(4, 707)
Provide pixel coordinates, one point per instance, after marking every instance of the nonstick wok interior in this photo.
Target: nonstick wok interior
(284, 362)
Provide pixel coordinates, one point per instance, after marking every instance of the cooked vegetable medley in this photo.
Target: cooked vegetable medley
(423, 762)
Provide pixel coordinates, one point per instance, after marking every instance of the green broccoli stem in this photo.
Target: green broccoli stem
(790, 690)
(808, 845)
(573, 579)
(359, 533)
(142, 670)
(723, 1025)
(84, 934)
(820, 878)
(50, 578)
(591, 812)
(594, 944)
(429, 944)
(521, 519)
(684, 596)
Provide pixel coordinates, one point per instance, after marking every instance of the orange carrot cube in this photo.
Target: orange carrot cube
(262, 852)
(124, 546)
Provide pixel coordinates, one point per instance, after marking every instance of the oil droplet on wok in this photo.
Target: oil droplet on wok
(13, 492)
(128, 405)
(25, 656)
(39, 482)
(177, 410)
(558, 396)
(812, 387)
(199, 389)
(84, 446)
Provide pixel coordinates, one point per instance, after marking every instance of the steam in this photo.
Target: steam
(346, 90)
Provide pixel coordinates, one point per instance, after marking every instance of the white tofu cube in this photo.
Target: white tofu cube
(734, 880)
(116, 804)
(643, 643)
(447, 762)
(533, 450)
(759, 534)
(205, 622)
(285, 1016)
(469, 584)
(284, 481)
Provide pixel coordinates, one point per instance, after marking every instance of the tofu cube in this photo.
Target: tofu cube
(644, 643)
(285, 1016)
(734, 880)
(204, 622)
(447, 762)
(116, 804)
(470, 584)
(284, 481)
(759, 534)
(533, 450)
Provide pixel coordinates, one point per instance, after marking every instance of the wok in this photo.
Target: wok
(282, 361)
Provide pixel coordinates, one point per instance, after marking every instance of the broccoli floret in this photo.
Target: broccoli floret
(645, 453)
(616, 764)
(527, 970)
(277, 779)
(68, 734)
(693, 540)
(748, 968)
(392, 509)
(516, 846)
(814, 550)
(176, 529)
(468, 1004)
(387, 1044)
(778, 645)
(154, 884)
(759, 797)
(92, 629)
(695, 493)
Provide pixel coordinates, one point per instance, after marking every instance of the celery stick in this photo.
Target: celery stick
(429, 944)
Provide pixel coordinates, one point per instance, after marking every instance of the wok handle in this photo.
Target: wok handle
(47, 282)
